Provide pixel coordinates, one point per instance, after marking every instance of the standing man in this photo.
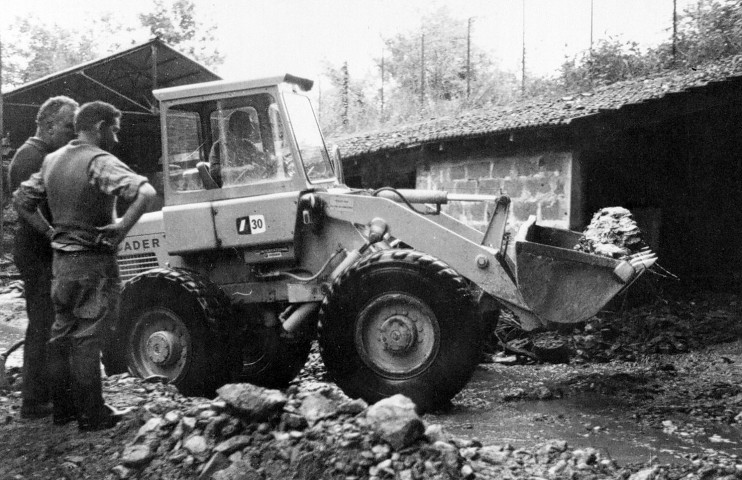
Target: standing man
(32, 253)
(81, 182)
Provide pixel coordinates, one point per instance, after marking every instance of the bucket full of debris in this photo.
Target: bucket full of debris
(567, 277)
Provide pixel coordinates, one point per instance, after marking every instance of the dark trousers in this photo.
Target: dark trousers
(86, 291)
(36, 275)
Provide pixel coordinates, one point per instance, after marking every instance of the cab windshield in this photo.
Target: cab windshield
(308, 137)
(241, 139)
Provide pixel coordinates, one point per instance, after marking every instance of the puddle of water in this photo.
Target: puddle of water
(587, 420)
(8, 336)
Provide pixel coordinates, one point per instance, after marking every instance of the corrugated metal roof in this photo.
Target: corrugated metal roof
(535, 113)
(124, 79)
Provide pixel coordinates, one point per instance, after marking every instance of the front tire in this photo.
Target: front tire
(401, 321)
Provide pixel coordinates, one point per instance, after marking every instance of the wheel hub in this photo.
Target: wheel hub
(398, 334)
(163, 348)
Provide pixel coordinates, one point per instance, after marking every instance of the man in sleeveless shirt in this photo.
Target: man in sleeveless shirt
(81, 182)
(32, 253)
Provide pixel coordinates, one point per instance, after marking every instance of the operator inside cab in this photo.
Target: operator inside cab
(239, 156)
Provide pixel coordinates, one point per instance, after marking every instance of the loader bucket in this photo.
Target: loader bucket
(562, 285)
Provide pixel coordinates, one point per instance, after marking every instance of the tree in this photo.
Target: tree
(345, 105)
(40, 49)
(611, 60)
(709, 30)
(176, 24)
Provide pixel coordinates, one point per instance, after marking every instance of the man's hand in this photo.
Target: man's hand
(112, 235)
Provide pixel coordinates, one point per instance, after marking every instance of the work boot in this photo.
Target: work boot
(35, 410)
(106, 418)
(64, 408)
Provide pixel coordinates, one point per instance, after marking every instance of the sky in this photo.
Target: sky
(269, 37)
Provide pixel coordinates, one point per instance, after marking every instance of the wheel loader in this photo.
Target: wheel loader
(259, 251)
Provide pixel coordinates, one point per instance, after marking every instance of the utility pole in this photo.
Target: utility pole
(674, 30)
(592, 21)
(381, 117)
(422, 71)
(523, 58)
(468, 58)
(319, 100)
(2, 152)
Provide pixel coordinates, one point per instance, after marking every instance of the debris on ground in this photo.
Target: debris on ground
(612, 232)
(654, 357)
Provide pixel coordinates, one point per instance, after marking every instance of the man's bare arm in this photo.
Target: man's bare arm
(116, 232)
(26, 201)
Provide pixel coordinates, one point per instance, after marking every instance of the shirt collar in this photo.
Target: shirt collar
(39, 144)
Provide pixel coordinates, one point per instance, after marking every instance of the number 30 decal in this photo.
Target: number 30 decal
(251, 224)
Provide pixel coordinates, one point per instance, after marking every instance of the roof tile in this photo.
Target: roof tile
(541, 112)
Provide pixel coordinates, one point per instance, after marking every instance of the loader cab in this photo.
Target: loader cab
(236, 156)
(250, 137)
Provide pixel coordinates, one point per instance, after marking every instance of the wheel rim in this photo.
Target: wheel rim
(160, 344)
(397, 335)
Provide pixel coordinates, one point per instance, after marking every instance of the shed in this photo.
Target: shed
(668, 147)
(125, 79)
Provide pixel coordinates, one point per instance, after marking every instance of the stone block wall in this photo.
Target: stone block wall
(537, 183)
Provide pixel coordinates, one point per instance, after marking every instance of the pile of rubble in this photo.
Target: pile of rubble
(248, 432)
(612, 233)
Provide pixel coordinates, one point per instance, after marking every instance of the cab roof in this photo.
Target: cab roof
(222, 86)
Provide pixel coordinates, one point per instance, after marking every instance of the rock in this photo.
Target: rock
(253, 402)
(188, 423)
(233, 444)
(557, 468)
(645, 474)
(173, 416)
(196, 445)
(380, 451)
(241, 470)
(235, 457)
(74, 459)
(513, 394)
(123, 472)
(467, 471)
(585, 456)
(353, 407)
(494, 455)
(396, 421)
(436, 433)
(292, 421)
(136, 456)
(469, 452)
(405, 475)
(217, 462)
(444, 446)
(151, 425)
(317, 406)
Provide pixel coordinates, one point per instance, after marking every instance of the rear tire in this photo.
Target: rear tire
(404, 322)
(175, 325)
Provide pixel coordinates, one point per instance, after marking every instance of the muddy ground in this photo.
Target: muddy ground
(668, 368)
